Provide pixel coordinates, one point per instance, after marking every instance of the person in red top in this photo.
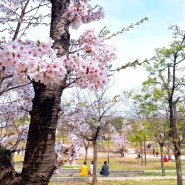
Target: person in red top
(165, 158)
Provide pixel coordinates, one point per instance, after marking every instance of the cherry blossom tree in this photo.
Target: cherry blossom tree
(119, 139)
(85, 123)
(39, 71)
(86, 116)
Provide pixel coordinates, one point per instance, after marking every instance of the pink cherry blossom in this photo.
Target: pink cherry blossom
(25, 61)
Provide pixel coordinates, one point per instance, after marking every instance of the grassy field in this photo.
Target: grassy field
(152, 168)
(125, 163)
(126, 182)
(122, 163)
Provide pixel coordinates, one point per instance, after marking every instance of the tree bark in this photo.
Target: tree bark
(86, 153)
(176, 142)
(145, 150)
(178, 164)
(141, 152)
(59, 30)
(94, 180)
(39, 162)
(95, 147)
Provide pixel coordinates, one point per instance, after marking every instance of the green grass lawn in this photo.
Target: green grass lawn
(126, 182)
(127, 163)
(152, 168)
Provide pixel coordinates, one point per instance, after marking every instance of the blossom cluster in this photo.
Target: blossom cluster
(81, 12)
(77, 141)
(119, 139)
(82, 121)
(64, 153)
(12, 134)
(9, 6)
(76, 118)
(96, 54)
(38, 61)
(25, 95)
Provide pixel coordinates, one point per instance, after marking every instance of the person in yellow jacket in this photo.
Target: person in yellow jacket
(84, 171)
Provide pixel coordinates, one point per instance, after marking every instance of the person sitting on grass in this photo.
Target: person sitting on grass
(84, 170)
(169, 158)
(105, 169)
(91, 169)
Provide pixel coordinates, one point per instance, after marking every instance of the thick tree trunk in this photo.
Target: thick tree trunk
(39, 160)
(59, 31)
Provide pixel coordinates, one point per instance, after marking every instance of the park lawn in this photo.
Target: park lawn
(126, 182)
(124, 163)
(128, 163)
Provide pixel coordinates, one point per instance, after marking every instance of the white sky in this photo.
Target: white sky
(140, 42)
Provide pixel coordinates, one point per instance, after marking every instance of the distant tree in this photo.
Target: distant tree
(148, 103)
(166, 78)
(86, 117)
(118, 137)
